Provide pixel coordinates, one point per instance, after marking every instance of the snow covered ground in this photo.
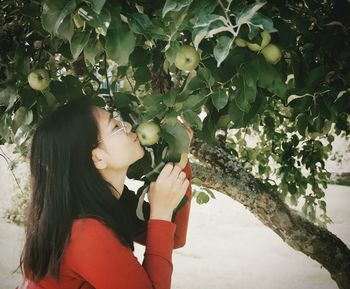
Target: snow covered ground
(227, 247)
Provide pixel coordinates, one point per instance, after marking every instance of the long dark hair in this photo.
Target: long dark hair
(65, 186)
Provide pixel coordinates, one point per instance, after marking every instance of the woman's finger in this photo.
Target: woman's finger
(166, 171)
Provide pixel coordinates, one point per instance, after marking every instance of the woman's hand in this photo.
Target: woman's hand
(167, 191)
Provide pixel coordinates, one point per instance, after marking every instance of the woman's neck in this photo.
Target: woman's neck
(116, 179)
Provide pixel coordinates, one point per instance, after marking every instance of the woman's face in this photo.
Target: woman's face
(117, 151)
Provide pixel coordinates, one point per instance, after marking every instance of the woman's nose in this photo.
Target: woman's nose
(128, 126)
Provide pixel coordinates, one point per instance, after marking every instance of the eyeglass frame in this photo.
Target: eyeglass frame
(117, 114)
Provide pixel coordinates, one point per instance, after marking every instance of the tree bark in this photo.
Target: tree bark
(217, 170)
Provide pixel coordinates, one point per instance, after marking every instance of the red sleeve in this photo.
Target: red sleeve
(180, 218)
(96, 254)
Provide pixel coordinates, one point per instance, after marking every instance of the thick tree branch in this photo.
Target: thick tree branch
(219, 171)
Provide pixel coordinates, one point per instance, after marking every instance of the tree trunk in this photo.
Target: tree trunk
(219, 171)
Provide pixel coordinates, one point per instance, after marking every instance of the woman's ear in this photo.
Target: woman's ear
(98, 157)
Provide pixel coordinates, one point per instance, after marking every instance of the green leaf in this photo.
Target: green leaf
(100, 22)
(263, 22)
(92, 48)
(245, 96)
(150, 100)
(97, 5)
(67, 89)
(220, 98)
(202, 198)
(196, 181)
(171, 50)
(174, 6)
(5, 127)
(195, 83)
(207, 26)
(201, 7)
(78, 42)
(114, 9)
(55, 12)
(7, 95)
(222, 48)
(193, 119)
(142, 75)
(66, 30)
(210, 192)
(22, 134)
(156, 111)
(207, 20)
(119, 44)
(245, 16)
(316, 75)
(205, 74)
(171, 116)
(141, 24)
(198, 34)
(23, 116)
(302, 123)
(123, 100)
(170, 97)
(194, 101)
(176, 136)
(269, 77)
(140, 57)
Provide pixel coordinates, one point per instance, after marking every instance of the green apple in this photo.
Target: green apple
(272, 53)
(187, 58)
(240, 42)
(148, 133)
(266, 38)
(39, 79)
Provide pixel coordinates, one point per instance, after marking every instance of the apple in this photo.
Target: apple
(272, 53)
(240, 42)
(187, 58)
(266, 38)
(39, 79)
(148, 133)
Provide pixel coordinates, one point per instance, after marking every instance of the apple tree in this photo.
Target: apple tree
(275, 70)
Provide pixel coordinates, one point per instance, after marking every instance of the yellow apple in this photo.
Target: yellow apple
(148, 133)
(187, 58)
(39, 79)
(272, 53)
(240, 42)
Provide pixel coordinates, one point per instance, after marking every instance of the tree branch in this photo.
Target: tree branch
(219, 171)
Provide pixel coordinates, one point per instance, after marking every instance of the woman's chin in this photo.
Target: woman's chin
(142, 151)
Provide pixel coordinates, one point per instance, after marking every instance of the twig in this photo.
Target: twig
(8, 165)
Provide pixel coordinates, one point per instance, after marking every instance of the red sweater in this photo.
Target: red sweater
(95, 258)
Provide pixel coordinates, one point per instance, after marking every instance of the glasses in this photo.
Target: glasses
(116, 116)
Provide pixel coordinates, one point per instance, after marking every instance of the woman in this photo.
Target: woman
(82, 221)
